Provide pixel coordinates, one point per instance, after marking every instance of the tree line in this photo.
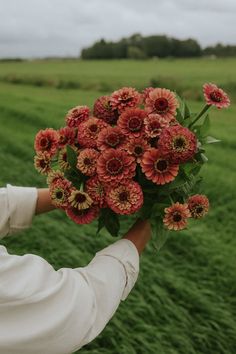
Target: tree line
(160, 46)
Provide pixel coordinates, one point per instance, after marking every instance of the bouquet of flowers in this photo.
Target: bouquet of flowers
(136, 153)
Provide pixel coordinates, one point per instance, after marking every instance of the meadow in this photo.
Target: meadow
(185, 299)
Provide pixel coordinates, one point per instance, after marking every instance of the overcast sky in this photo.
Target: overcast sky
(36, 28)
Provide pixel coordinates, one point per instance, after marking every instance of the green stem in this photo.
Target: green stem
(203, 111)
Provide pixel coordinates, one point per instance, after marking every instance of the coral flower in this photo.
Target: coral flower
(215, 96)
(114, 166)
(88, 131)
(46, 141)
(137, 147)
(53, 176)
(145, 93)
(161, 101)
(42, 163)
(154, 124)
(124, 98)
(77, 115)
(59, 192)
(102, 109)
(131, 122)
(62, 160)
(176, 216)
(85, 216)
(198, 205)
(110, 137)
(87, 161)
(96, 191)
(177, 143)
(80, 200)
(66, 136)
(126, 198)
(157, 169)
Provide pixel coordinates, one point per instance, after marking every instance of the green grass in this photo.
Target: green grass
(185, 299)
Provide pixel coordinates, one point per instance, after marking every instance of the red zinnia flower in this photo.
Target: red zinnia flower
(80, 200)
(110, 137)
(137, 147)
(77, 115)
(131, 122)
(177, 143)
(162, 101)
(126, 198)
(124, 98)
(88, 131)
(62, 160)
(176, 216)
(215, 96)
(87, 161)
(60, 192)
(145, 93)
(157, 169)
(114, 166)
(85, 216)
(42, 163)
(198, 205)
(102, 109)
(46, 141)
(66, 136)
(54, 176)
(154, 124)
(96, 191)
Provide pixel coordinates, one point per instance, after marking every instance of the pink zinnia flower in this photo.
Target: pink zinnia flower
(42, 163)
(177, 143)
(124, 98)
(102, 109)
(88, 132)
(85, 216)
(162, 101)
(215, 96)
(158, 169)
(46, 141)
(126, 198)
(131, 122)
(137, 147)
(154, 124)
(111, 137)
(176, 216)
(198, 205)
(96, 191)
(145, 93)
(77, 115)
(66, 136)
(114, 166)
(87, 161)
(60, 192)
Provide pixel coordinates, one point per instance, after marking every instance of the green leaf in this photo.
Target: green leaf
(204, 158)
(186, 112)
(179, 116)
(73, 177)
(210, 140)
(205, 127)
(158, 209)
(101, 224)
(159, 233)
(111, 222)
(71, 156)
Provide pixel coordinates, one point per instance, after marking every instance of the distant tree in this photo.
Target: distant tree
(135, 53)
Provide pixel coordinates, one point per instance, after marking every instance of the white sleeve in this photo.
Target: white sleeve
(17, 208)
(58, 312)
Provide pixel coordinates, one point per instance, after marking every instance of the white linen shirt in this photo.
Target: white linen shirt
(44, 311)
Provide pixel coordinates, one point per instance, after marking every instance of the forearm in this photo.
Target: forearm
(139, 234)
(44, 203)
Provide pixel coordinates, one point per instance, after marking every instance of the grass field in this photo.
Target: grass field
(185, 299)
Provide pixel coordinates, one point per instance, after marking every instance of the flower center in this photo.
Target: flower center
(113, 139)
(161, 165)
(138, 150)
(180, 143)
(177, 217)
(216, 96)
(114, 166)
(64, 157)
(126, 98)
(87, 161)
(80, 198)
(199, 209)
(161, 105)
(42, 163)
(44, 143)
(155, 126)
(59, 194)
(123, 196)
(135, 124)
(93, 128)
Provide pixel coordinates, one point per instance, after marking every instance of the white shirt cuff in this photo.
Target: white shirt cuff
(125, 252)
(22, 204)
